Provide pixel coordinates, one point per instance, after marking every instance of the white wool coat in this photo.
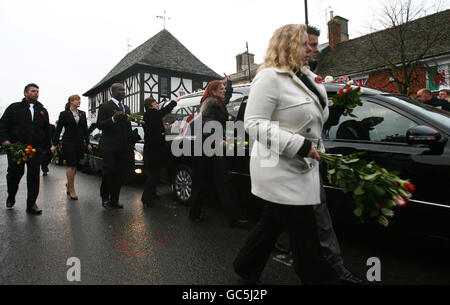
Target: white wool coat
(281, 113)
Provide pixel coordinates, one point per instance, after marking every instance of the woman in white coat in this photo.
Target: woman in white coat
(284, 117)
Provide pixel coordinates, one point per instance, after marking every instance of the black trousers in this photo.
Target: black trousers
(328, 240)
(149, 193)
(216, 169)
(116, 167)
(300, 224)
(16, 171)
(46, 159)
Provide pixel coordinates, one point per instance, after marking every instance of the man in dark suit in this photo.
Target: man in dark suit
(26, 122)
(115, 145)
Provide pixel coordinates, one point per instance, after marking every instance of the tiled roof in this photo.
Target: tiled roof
(358, 55)
(162, 51)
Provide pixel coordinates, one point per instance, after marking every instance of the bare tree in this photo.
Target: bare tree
(404, 46)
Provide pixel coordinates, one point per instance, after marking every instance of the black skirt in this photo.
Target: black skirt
(72, 152)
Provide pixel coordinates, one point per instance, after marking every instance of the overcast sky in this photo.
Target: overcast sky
(67, 47)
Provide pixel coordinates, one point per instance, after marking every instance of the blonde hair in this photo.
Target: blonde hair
(285, 48)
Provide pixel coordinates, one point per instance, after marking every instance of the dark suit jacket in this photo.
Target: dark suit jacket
(74, 135)
(155, 135)
(115, 135)
(16, 125)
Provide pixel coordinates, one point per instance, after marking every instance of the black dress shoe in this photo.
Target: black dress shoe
(241, 223)
(106, 203)
(34, 210)
(281, 248)
(10, 202)
(116, 205)
(346, 277)
(156, 196)
(196, 219)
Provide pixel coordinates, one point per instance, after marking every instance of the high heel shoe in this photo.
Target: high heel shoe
(73, 197)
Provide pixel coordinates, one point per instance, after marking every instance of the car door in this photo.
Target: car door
(379, 130)
(239, 157)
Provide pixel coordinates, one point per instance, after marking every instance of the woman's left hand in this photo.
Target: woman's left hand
(227, 76)
(89, 147)
(313, 153)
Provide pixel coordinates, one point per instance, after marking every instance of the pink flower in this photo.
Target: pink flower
(400, 201)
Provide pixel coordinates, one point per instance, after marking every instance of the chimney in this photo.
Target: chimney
(242, 61)
(337, 30)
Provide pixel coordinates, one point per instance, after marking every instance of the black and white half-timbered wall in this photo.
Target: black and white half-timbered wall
(161, 67)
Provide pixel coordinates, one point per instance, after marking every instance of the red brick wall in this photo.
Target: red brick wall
(382, 78)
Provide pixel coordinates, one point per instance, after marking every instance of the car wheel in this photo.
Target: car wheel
(182, 184)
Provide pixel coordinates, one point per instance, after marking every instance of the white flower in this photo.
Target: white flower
(350, 83)
(329, 79)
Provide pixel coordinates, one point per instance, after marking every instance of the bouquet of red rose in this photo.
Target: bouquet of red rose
(348, 98)
(21, 152)
(376, 191)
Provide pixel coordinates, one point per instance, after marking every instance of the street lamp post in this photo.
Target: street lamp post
(306, 12)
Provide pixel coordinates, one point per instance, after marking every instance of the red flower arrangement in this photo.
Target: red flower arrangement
(21, 152)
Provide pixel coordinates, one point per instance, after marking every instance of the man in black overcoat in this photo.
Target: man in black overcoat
(115, 144)
(26, 122)
(155, 149)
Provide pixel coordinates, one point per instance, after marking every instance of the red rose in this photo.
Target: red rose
(341, 90)
(319, 79)
(358, 88)
(349, 89)
(342, 95)
(410, 187)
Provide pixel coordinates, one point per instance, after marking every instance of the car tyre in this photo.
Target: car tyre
(182, 184)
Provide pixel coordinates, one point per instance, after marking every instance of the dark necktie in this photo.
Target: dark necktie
(121, 107)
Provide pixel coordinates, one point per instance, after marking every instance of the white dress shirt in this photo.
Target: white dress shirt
(32, 111)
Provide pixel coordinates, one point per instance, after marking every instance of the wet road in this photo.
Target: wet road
(160, 245)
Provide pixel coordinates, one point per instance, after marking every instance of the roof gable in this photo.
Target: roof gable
(162, 51)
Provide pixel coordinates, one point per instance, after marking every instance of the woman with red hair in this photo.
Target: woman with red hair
(213, 167)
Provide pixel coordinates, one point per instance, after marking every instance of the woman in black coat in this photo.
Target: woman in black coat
(155, 149)
(215, 168)
(74, 141)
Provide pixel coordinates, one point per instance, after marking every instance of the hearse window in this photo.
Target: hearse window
(373, 123)
(234, 104)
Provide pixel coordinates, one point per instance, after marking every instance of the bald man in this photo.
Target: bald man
(424, 96)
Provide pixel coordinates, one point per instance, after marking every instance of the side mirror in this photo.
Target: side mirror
(422, 135)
